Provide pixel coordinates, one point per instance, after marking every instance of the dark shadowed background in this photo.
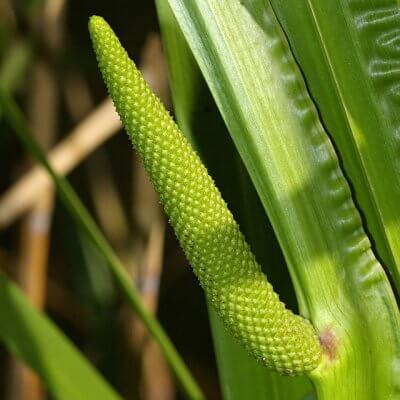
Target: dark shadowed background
(46, 61)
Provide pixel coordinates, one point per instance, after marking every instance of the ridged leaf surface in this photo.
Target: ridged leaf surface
(349, 52)
(340, 284)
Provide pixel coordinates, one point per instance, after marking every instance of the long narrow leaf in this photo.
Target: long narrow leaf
(265, 104)
(34, 338)
(241, 376)
(355, 81)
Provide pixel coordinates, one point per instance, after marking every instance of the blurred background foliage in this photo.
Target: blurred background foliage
(48, 64)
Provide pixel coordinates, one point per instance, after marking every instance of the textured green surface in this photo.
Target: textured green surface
(243, 378)
(210, 237)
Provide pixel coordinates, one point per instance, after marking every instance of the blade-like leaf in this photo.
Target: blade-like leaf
(16, 120)
(264, 102)
(32, 337)
(241, 376)
(355, 82)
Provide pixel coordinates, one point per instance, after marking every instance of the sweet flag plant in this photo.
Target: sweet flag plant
(206, 229)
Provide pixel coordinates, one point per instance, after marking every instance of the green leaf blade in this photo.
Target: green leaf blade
(241, 376)
(358, 99)
(265, 104)
(34, 338)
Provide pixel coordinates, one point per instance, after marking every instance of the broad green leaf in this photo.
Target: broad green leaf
(39, 343)
(67, 194)
(241, 376)
(349, 52)
(340, 285)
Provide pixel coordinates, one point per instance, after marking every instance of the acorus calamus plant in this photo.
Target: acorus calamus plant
(206, 229)
(351, 348)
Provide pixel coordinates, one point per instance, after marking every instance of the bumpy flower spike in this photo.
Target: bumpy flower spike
(210, 237)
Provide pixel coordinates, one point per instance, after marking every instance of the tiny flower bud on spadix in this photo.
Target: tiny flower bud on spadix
(210, 237)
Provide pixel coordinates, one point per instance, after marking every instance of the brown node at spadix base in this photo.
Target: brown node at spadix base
(329, 343)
